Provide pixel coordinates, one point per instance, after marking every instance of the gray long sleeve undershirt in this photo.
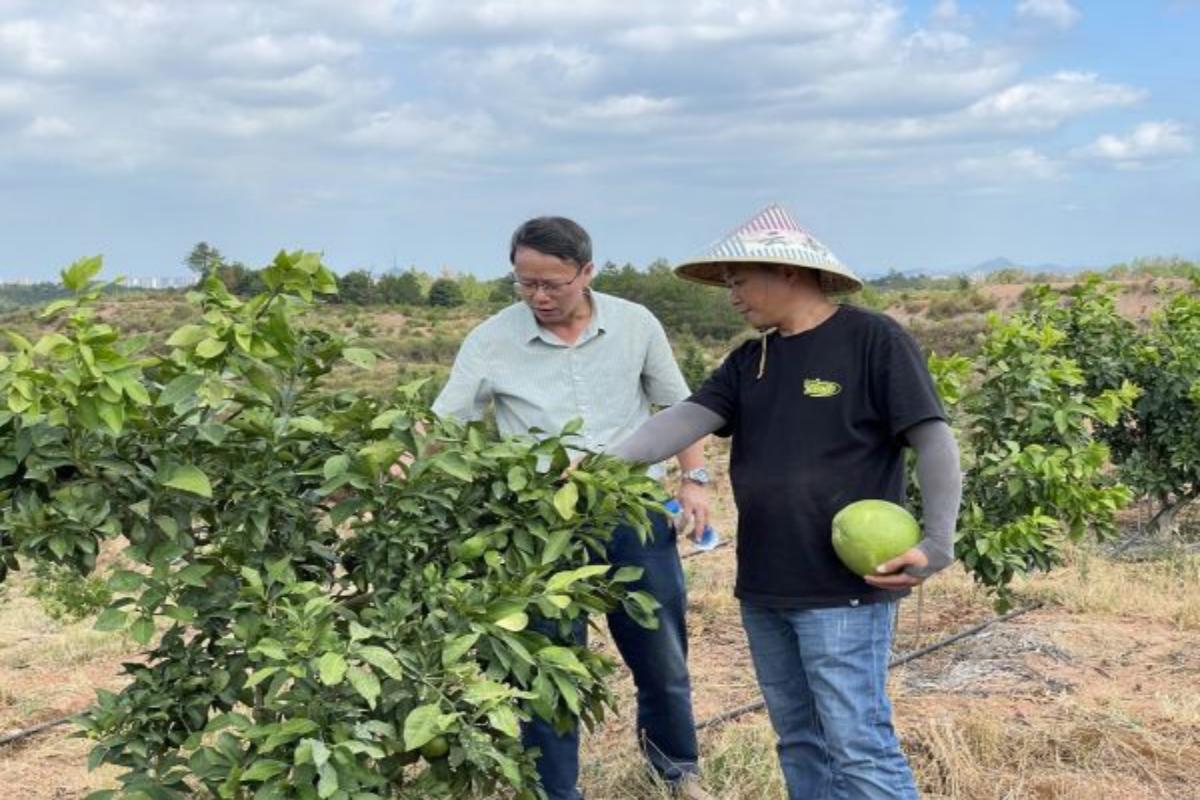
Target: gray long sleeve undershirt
(938, 472)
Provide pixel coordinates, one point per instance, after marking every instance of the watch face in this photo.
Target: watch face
(698, 475)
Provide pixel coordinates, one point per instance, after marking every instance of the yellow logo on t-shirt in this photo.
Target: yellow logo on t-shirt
(815, 387)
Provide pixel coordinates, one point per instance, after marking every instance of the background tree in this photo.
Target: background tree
(446, 293)
(240, 279)
(1034, 465)
(203, 259)
(682, 306)
(356, 288)
(1156, 443)
(693, 366)
(402, 288)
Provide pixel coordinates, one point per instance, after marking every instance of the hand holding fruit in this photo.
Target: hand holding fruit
(891, 575)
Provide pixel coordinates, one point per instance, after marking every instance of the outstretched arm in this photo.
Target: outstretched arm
(666, 433)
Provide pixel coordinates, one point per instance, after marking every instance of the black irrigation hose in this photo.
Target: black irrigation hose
(734, 713)
(17, 736)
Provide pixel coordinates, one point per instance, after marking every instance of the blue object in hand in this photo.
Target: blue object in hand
(708, 540)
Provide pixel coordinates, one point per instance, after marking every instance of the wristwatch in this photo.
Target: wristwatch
(698, 476)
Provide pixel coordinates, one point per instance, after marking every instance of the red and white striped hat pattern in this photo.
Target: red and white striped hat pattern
(770, 237)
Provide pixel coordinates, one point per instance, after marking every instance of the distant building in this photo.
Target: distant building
(131, 281)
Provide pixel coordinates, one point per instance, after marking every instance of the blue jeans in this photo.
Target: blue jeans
(823, 674)
(658, 660)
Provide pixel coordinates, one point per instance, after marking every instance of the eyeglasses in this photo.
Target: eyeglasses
(529, 288)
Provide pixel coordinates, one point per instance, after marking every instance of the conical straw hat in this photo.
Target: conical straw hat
(770, 237)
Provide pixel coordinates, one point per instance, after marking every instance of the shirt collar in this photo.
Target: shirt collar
(530, 330)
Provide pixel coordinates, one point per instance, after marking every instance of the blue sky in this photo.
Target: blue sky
(916, 136)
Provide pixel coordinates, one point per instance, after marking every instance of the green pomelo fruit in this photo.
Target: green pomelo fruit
(437, 747)
(867, 533)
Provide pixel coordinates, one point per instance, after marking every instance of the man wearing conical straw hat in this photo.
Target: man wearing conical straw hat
(820, 408)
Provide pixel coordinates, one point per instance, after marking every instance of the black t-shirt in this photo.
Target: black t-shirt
(823, 427)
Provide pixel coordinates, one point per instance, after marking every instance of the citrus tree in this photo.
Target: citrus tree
(1035, 470)
(313, 628)
(1156, 442)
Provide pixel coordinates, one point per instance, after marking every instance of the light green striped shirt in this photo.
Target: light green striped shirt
(610, 377)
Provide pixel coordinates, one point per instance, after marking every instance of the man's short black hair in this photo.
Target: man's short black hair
(554, 236)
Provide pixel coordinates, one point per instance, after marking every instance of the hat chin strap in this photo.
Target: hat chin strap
(762, 353)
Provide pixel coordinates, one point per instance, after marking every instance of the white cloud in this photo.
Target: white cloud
(628, 106)
(50, 128)
(947, 12)
(1019, 165)
(1149, 141)
(14, 97)
(521, 73)
(497, 85)
(1059, 13)
(267, 51)
(411, 128)
(1046, 102)
(315, 84)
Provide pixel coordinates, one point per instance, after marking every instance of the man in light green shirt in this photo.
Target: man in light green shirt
(567, 353)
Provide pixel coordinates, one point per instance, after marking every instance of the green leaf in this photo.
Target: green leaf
(504, 719)
(518, 479)
(307, 424)
(111, 619)
(556, 546)
(327, 786)
(193, 575)
(333, 668)
(561, 658)
(77, 276)
(142, 630)
(485, 691)
(422, 724)
(627, 574)
(565, 500)
(457, 647)
(113, 415)
(211, 348)
(365, 683)
(271, 649)
(298, 726)
(452, 464)
(568, 691)
(360, 357)
(260, 675)
(562, 580)
(336, 465)
(189, 478)
(385, 420)
(214, 433)
(320, 753)
(263, 769)
(383, 660)
(514, 622)
(124, 580)
(187, 336)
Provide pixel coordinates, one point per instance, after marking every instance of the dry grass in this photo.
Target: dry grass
(1163, 590)
(1068, 753)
